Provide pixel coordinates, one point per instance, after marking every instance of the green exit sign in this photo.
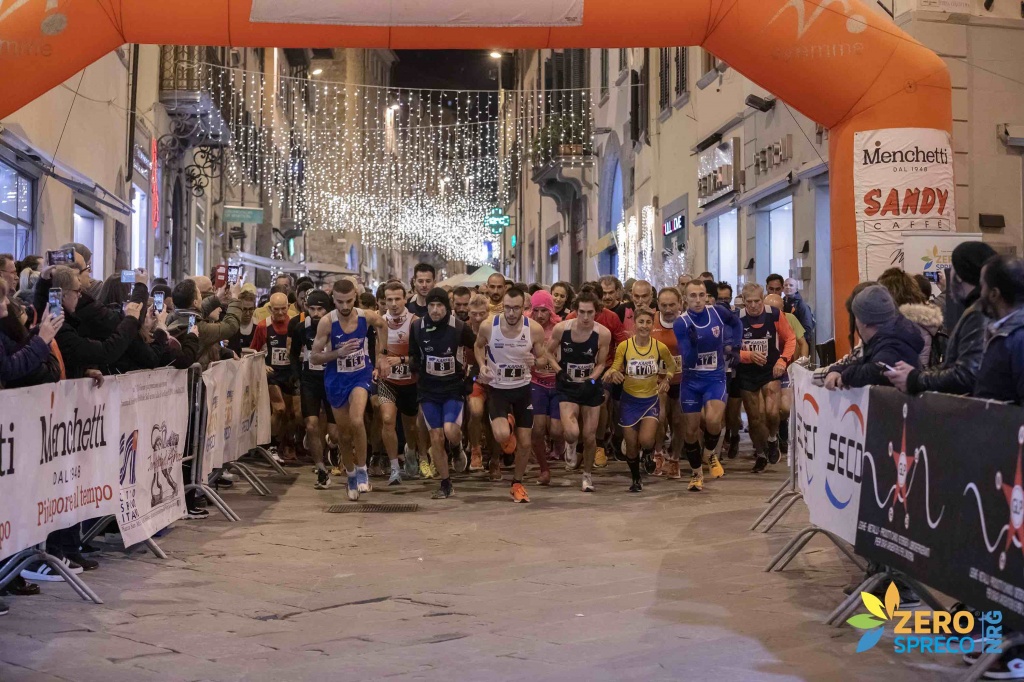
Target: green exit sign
(497, 220)
(242, 214)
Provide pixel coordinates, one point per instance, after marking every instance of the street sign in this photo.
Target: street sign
(497, 220)
(242, 214)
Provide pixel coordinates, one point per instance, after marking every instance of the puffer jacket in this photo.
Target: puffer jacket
(959, 368)
(1001, 376)
(895, 341)
(928, 319)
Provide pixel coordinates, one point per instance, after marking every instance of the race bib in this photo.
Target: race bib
(679, 363)
(755, 345)
(307, 355)
(440, 367)
(579, 372)
(400, 372)
(707, 362)
(352, 363)
(279, 357)
(642, 368)
(511, 372)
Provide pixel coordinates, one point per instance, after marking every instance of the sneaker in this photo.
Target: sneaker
(19, 587)
(717, 470)
(544, 477)
(461, 461)
(588, 484)
(88, 549)
(425, 469)
(86, 564)
(672, 471)
(411, 468)
(1009, 667)
(195, 514)
(637, 486)
(760, 464)
(734, 446)
(476, 460)
(510, 445)
(647, 461)
(444, 492)
(363, 481)
(518, 493)
(336, 471)
(659, 463)
(495, 468)
(43, 572)
(696, 481)
(353, 487)
(323, 480)
(433, 470)
(600, 458)
(396, 477)
(783, 445)
(274, 454)
(773, 452)
(571, 459)
(4, 609)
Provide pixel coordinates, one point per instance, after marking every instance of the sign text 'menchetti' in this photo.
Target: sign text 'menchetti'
(74, 435)
(915, 155)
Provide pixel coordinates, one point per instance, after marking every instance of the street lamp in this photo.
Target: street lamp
(496, 55)
(317, 72)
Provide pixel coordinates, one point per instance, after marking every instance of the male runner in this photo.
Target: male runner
(312, 394)
(506, 349)
(581, 348)
(434, 349)
(477, 399)
(703, 333)
(422, 281)
(670, 303)
(546, 416)
(762, 364)
(396, 384)
(460, 302)
(348, 374)
(802, 351)
(496, 288)
(272, 334)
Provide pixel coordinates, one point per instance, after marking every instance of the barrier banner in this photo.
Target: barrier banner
(238, 409)
(219, 378)
(828, 446)
(58, 446)
(154, 419)
(942, 496)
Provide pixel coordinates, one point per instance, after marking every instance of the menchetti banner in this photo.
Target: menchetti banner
(903, 183)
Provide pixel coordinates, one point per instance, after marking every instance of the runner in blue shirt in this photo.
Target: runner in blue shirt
(704, 334)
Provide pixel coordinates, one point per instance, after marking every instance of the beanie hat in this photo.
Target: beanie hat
(319, 298)
(968, 259)
(874, 306)
(542, 299)
(439, 295)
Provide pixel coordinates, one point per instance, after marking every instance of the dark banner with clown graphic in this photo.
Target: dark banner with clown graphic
(942, 497)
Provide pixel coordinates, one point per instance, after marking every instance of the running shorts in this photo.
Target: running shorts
(283, 380)
(340, 398)
(545, 403)
(313, 397)
(437, 414)
(403, 396)
(518, 402)
(695, 392)
(753, 381)
(585, 393)
(633, 410)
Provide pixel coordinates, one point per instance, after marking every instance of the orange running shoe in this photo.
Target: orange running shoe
(476, 460)
(519, 493)
(659, 464)
(509, 446)
(672, 470)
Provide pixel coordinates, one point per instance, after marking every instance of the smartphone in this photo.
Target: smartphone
(886, 367)
(220, 276)
(60, 257)
(56, 296)
(932, 276)
(158, 301)
(233, 274)
(127, 277)
(191, 321)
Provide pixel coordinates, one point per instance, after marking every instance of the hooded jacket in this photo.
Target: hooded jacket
(897, 340)
(802, 312)
(960, 367)
(431, 342)
(1001, 376)
(928, 319)
(210, 333)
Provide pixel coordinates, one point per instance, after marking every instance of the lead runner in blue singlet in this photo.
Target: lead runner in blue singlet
(703, 333)
(348, 374)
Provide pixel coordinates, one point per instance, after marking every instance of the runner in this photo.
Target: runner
(802, 351)
(546, 417)
(461, 297)
(348, 374)
(581, 347)
(396, 384)
(312, 394)
(272, 334)
(477, 393)
(670, 303)
(703, 333)
(423, 281)
(434, 349)
(496, 289)
(644, 367)
(506, 348)
(762, 364)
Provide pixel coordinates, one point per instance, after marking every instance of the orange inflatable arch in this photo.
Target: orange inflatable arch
(836, 61)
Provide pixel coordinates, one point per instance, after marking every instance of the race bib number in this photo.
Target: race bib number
(511, 372)
(440, 367)
(579, 372)
(707, 362)
(642, 368)
(313, 367)
(352, 363)
(679, 363)
(756, 345)
(400, 372)
(279, 357)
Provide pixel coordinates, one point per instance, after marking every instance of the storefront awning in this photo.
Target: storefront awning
(766, 190)
(712, 213)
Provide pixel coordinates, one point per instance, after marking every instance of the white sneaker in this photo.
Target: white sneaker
(43, 572)
(273, 454)
(570, 456)
(588, 485)
(227, 476)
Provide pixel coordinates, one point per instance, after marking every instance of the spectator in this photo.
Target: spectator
(1001, 376)
(21, 357)
(30, 263)
(925, 286)
(204, 284)
(83, 260)
(794, 303)
(113, 293)
(888, 338)
(187, 304)
(966, 343)
(775, 284)
(913, 305)
(168, 296)
(246, 326)
(707, 276)
(9, 272)
(724, 295)
(563, 295)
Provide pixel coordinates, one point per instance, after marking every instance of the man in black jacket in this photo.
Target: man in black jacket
(959, 370)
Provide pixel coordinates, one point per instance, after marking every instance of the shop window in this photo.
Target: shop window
(780, 239)
(723, 248)
(16, 211)
(140, 231)
(89, 230)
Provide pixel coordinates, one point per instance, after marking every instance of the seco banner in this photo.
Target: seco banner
(828, 446)
(942, 497)
(57, 459)
(154, 419)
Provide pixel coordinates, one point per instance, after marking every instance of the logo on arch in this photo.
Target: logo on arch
(807, 13)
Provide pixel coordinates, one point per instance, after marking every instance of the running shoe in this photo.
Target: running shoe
(41, 571)
(734, 446)
(444, 492)
(336, 471)
(363, 481)
(717, 470)
(433, 470)
(588, 484)
(411, 468)
(600, 458)
(353, 487)
(647, 462)
(773, 452)
(696, 481)
(195, 514)
(637, 486)
(659, 463)
(672, 471)
(461, 461)
(425, 468)
(783, 445)
(396, 477)
(272, 450)
(760, 464)
(323, 480)
(571, 459)
(476, 460)
(544, 478)
(1010, 666)
(495, 468)
(518, 493)
(86, 564)
(509, 446)
(4, 609)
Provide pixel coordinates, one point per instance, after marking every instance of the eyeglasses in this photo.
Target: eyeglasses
(77, 292)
